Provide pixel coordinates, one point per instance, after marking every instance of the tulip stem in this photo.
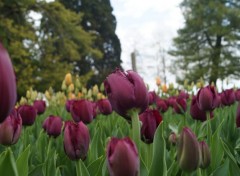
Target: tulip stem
(199, 173)
(209, 129)
(136, 129)
(78, 167)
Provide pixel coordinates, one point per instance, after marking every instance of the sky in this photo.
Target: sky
(147, 27)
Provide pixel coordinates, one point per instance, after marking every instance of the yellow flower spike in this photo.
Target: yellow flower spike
(23, 101)
(77, 82)
(71, 88)
(68, 79)
(64, 87)
(89, 94)
(47, 94)
(164, 88)
(99, 96)
(102, 89)
(79, 95)
(28, 94)
(71, 95)
(158, 81)
(171, 86)
(95, 90)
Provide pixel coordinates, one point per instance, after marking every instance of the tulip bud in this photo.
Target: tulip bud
(68, 79)
(76, 140)
(188, 150)
(104, 106)
(151, 97)
(173, 138)
(68, 105)
(150, 120)
(40, 106)
(227, 97)
(207, 98)
(28, 114)
(205, 155)
(126, 91)
(122, 157)
(82, 110)
(180, 106)
(10, 129)
(53, 126)
(161, 104)
(183, 94)
(158, 81)
(8, 90)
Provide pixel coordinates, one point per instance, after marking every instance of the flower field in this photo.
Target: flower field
(119, 128)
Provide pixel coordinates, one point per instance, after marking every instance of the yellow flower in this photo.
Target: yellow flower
(164, 88)
(68, 79)
(158, 81)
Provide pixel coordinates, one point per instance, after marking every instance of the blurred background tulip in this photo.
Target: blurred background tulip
(10, 129)
(53, 126)
(76, 140)
(205, 155)
(28, 114)
(104, 106)
(40, 106)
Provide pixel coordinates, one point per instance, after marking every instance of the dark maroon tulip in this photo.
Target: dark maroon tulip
(180, 106)
(8, 90)
(238, 116)
(171, 101)
(197, 113)
(150, 119)
(28, 114)
(151, 97)
(205, 155)
(82, 110)
(76, 140)
(40, 106)
(207, 98)
(237, 95)
(68, 105)
(161, 104)
(227, 97)
(122, 157)
(53, 125)
(126, 91)
(188, 151)
(10, 129)
(183, 94)
(104, 106)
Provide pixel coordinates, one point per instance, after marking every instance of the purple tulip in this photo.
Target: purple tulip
(104, 106)
(227, 97)
(238, 116)
(126, 91)
(205, 155)
(180, 106)
(68, 104)
(171, 101)
(183, 94)
(76, 140)
(197, 113)
(8, 90)
(10, 129)
(122, 157)
(150, 119)
(151, 97)
(40, 106)
(188, 150)
(28, 114)
(207, 98)
(53, 125)
(82, 110)
(161, 105)
(237, 95)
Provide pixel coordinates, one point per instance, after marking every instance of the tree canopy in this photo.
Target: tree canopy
(43, 51)
(207, 46)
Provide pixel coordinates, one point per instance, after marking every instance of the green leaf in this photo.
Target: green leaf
(159, 166)
(22, 162)
(83, 169)
(223, 169)
(94, 167)
(7, 164)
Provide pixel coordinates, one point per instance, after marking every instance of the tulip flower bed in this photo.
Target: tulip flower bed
(75, 132)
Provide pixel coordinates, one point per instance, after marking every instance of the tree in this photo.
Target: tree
(99, 20)
(18, 36)
(207, 45)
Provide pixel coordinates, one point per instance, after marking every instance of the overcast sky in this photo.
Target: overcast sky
(147, 26)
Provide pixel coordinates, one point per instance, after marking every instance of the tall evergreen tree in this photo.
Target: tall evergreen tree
(207, 46)
(99, 20)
